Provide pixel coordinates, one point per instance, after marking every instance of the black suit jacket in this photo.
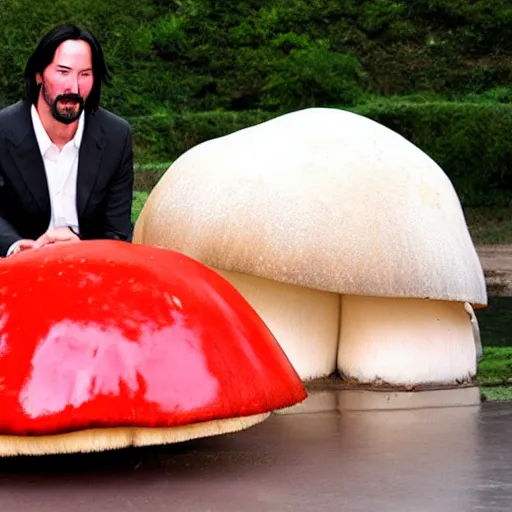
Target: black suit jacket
(104, 181)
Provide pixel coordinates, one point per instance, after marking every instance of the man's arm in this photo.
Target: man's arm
(120, 196)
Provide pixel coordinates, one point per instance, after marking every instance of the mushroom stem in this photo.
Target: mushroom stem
(476, 331)
(405, 341)
(304, 321)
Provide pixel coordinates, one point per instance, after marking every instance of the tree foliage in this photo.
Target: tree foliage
(195, 55)
(185, 71)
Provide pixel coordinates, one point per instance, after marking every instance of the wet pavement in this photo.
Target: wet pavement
(336, 458)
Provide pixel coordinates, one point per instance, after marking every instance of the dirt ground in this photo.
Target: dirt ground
(497, 264)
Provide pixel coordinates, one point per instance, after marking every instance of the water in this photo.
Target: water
(495, 322)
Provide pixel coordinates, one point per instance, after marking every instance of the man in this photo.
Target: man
(66, 165)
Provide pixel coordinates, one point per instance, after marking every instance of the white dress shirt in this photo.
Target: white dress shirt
(61, 168)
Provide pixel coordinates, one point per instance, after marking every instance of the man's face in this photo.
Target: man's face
(67, 81)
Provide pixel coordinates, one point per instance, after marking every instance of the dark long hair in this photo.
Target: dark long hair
(45, 51)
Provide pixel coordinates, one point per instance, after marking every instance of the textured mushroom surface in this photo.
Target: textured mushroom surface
(312, 214)
(105, 334)
(320, 198)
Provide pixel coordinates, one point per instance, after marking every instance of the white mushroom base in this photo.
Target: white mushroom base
(397, 342)
(305, 322)
(405, 342)
(101, 439)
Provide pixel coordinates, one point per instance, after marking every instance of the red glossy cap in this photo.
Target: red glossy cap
(105, 333)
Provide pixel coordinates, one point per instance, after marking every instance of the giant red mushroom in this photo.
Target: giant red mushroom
(105, 344)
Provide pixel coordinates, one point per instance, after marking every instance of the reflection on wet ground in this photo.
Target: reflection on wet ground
(415, 459)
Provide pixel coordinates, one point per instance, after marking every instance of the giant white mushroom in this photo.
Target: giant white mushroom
(346, 238)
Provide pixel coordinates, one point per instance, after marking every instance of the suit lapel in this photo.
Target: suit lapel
(23, 147)
(27, 158)
(89, 162)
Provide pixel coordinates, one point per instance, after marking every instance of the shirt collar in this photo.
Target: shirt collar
(44, 141)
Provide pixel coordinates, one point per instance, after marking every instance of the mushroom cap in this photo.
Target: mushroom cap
(321, 198)
(109, 334)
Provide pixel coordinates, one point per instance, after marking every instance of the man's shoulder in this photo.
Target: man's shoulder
(14, 120)
(13, 110)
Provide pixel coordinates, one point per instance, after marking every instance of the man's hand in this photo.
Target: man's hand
(22, 245)
(56, 236)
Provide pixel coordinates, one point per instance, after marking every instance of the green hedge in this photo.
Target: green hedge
(472, 142)
(200, 55)
(165, 137)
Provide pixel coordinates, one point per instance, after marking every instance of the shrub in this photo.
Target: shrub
(472, 142)
(165, 137)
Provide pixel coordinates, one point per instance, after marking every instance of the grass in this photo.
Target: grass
(139, 198)
(496, 367)
(151, 166)
(497, 394)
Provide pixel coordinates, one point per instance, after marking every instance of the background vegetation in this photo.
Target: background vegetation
(436, 71)
(201, 55)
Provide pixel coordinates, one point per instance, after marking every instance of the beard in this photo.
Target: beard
(64, 114)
